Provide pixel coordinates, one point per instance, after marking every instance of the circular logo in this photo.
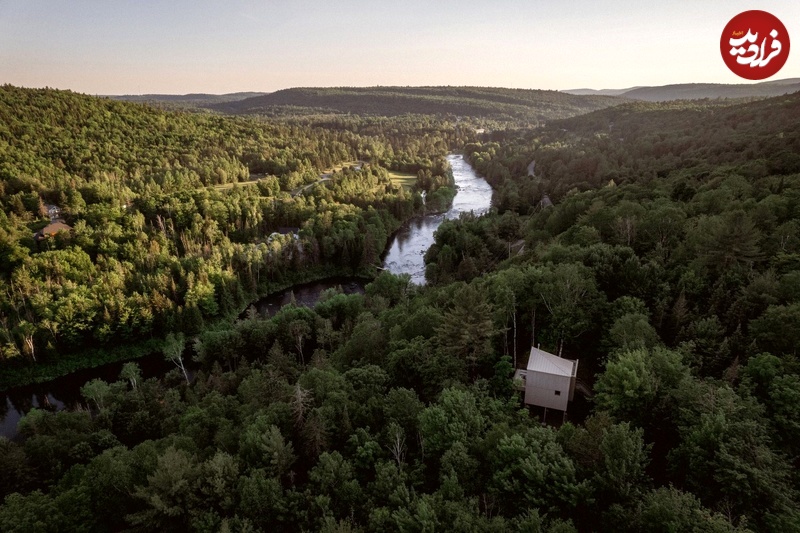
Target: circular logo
(754, 45)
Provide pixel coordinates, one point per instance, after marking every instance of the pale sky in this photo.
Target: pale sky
(179, 46)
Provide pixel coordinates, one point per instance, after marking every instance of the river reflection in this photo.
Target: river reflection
(407, 252)
(307, 294)
(65, 392)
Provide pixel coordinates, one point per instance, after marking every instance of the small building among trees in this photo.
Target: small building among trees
(53, 212)
(549, 380)
(51, 229)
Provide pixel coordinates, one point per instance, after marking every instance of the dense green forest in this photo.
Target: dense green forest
(670, 266)
(179, 218)
(666, 259)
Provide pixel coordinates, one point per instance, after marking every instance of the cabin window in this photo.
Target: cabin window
(558, 393)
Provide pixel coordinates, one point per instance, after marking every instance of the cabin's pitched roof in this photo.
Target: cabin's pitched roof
(547, 363)
(52, 229)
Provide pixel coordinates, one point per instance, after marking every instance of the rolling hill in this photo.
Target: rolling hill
(695, 91)
(519, 104)
(191, 101)
(600, 92)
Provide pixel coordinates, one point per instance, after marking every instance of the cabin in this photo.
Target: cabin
(53, 211)
(288, 230)
(549, 380)
(51, 229)
(284, 230)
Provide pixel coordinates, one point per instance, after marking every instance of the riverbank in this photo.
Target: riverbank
(64, 393)
(43, 372)
(420, 216)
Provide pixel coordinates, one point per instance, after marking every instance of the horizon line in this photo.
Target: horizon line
(262, 92)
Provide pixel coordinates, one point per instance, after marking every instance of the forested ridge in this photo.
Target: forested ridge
(667, 261)
(696, 91)
(643, 142)
(534, 107)
(191, 101)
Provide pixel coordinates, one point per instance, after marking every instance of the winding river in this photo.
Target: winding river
(405, 256)
(407, 251)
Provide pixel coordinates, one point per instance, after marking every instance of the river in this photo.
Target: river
(407, 252)
(306, 294)
(406, 255)
(65, 392)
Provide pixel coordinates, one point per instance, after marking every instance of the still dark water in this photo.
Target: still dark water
(407, 251)
(307, 294)
(65, 392)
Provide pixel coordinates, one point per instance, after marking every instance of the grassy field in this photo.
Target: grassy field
(403, 178)
(340, 166)
(254, 178)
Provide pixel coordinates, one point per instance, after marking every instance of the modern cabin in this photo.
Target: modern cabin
(549, 380)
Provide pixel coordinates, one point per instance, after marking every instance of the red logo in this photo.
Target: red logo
(754, 45)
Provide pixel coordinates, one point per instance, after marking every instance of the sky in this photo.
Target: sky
(178, 47)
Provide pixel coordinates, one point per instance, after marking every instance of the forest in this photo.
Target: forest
(656, 243)
(178, 219)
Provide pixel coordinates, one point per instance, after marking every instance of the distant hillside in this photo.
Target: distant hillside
(186, 100)
(529, 105)
(700, 125)
(695, 91)
(599, 92)
(644, 142)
